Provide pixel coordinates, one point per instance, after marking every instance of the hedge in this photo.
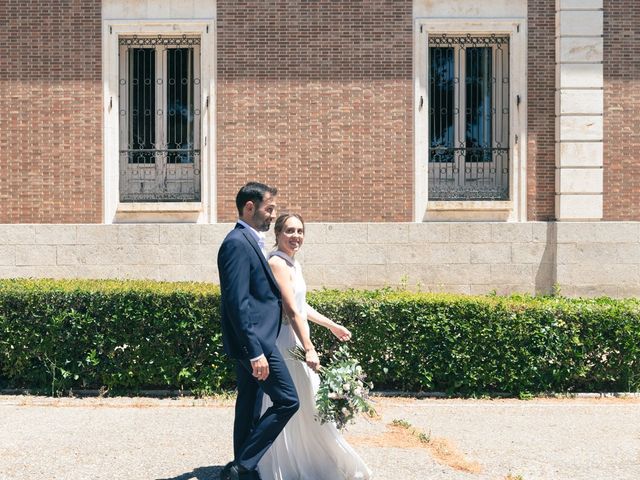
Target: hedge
(127, 336)
(122, 336)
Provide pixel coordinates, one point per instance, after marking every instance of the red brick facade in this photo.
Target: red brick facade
(315, 98)
(621, 110)
(50, 111)
(541, 111)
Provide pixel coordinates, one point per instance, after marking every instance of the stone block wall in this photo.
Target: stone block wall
(581, 258)
(579, 110)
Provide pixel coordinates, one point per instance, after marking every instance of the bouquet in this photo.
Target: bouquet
(343, 392)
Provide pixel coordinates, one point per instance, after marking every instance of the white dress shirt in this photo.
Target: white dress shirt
(258, 236)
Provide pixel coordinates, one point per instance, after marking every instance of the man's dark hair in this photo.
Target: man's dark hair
(253, 192)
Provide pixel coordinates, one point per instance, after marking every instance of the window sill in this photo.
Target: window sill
(159, 207)
(160, 212)
(457, 205)
(486, 211)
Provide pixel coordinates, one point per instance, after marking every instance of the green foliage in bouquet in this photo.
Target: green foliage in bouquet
(343, 391)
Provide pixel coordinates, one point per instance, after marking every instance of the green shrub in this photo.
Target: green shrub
(484, 344)
(126, 336)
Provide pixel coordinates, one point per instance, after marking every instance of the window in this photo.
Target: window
(468, 92)
(159, 128)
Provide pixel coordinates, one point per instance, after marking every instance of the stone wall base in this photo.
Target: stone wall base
(579, 259)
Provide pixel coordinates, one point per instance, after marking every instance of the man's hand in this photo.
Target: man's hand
(260, 368)
(311, 357)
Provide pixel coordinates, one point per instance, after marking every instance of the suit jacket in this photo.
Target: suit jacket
(251, 304)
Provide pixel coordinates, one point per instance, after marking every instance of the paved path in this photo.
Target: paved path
(185, 439)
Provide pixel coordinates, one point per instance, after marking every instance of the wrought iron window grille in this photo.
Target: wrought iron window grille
(159, 97)
(468, 117)
(136, 41)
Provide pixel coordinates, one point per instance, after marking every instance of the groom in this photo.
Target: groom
(250, 309)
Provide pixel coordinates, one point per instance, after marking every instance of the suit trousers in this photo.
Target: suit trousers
(252, 436)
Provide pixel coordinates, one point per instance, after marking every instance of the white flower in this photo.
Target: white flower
(346, 387)
(333, 395)
(358, 391)
(358, 369)
(345, 411)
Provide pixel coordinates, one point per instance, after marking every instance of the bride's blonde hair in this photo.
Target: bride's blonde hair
(281, 220)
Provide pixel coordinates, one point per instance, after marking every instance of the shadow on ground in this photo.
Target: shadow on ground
(202, 473)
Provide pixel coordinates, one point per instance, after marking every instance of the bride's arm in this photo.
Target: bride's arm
(338, 330)
(300, 327)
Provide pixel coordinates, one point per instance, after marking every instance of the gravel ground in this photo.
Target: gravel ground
(185, 439)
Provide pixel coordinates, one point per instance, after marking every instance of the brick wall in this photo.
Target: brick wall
(541, 111)
(50, 112)
(621, 110)
(315, 97)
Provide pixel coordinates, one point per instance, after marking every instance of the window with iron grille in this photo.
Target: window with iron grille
(468, 88)
(159, 90)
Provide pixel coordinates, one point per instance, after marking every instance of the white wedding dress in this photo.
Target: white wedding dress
(306, 449)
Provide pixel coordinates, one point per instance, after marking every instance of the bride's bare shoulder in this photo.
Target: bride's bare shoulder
(277, 262)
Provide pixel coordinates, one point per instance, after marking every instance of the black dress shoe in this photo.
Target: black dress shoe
(250, 475)
(236, 472)
(225, 474)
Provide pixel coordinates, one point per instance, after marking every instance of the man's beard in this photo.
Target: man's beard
(262, 225)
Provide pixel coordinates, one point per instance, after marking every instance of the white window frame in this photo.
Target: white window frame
(115, 211)
(515, 208)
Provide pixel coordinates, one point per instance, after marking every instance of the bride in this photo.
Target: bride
(305, 449)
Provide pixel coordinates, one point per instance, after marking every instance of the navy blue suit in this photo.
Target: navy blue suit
(251, 308)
